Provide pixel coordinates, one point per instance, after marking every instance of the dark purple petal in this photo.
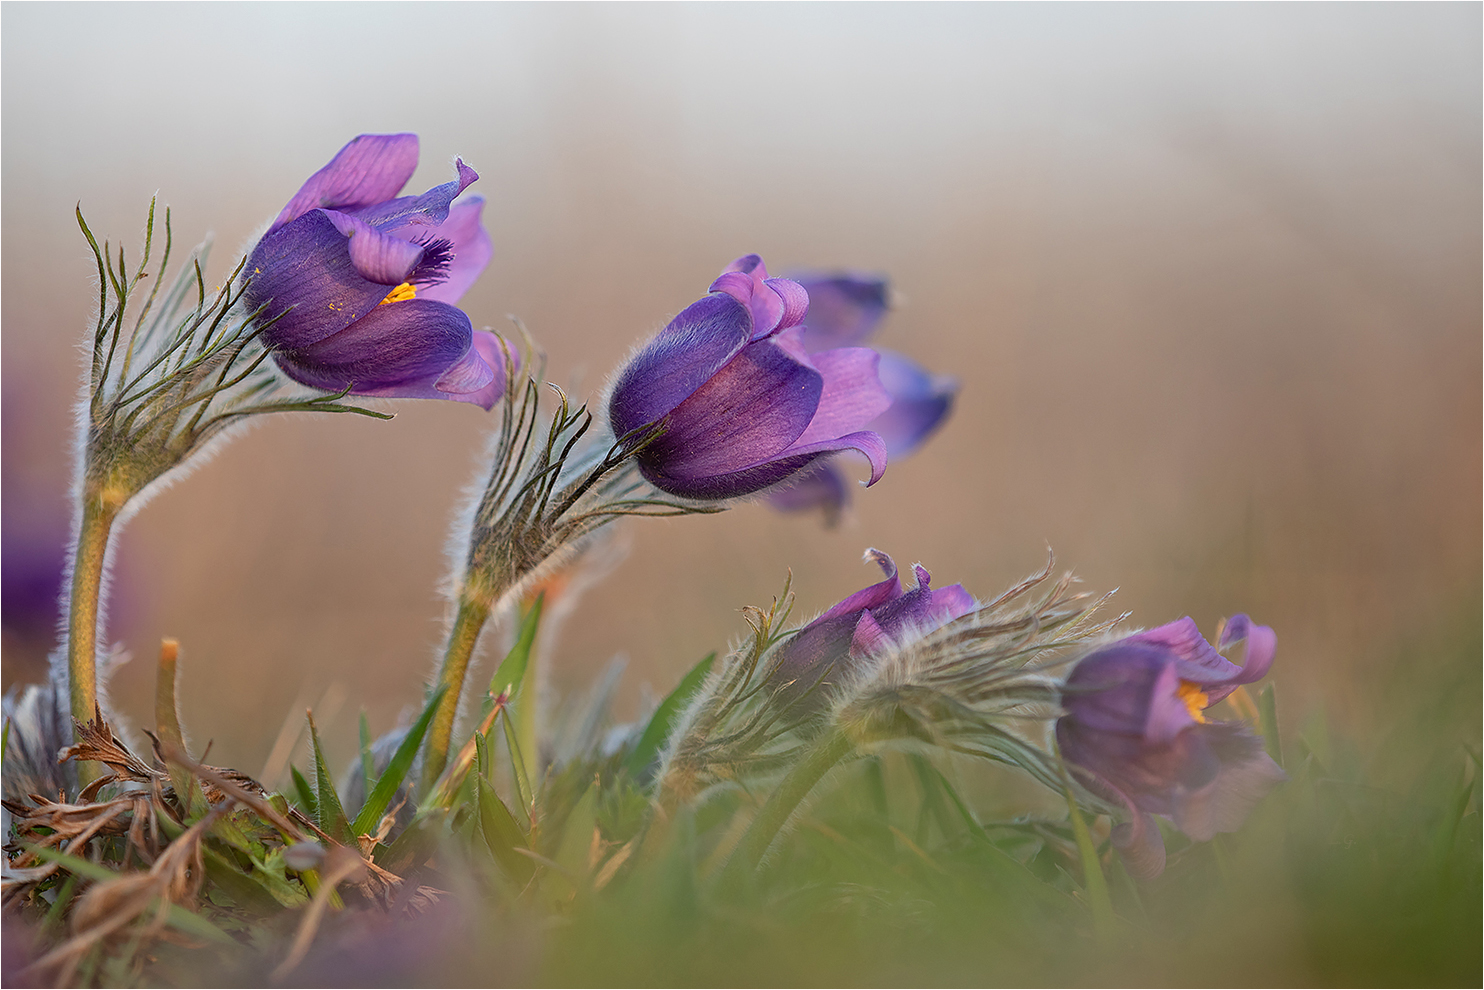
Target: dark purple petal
(678, 361)
(795, 301)
(428, 210)
(852, 394)
(305, 268)
(819, 486)
(742, 416)
(843, 309)
(805, 658)
(472, 250)
(920, 402)
(370, 169)
(377, 257)
(402, 349)
(922, 608)
(1111, 688)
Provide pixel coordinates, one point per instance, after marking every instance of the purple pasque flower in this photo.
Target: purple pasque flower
(844, 310)
(867, 623)
(359, 283)
(743, 405)
(1136, 727)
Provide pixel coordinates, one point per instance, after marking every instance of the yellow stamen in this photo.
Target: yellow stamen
(1195, 699)
(401, 293)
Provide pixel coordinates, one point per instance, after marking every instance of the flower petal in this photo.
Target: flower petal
(679, 360)
(919, 403)
(403, 349)
(1168, 715)
(843, 309)
(864, 442)
(775, 303)
(744, 414)
(852, 395)
(1140, 846)
(1261, 643)
(819, 486)
(1245, 776)
(377, 257)
(874, 596)
(472, 250)
(428, 210)
(305, 268)
(370, 169)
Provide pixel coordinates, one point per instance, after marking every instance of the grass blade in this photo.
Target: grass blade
(396, 771)
(503, 834)
(331, 813)
(305, 793)
(512, 670)
(658, 730)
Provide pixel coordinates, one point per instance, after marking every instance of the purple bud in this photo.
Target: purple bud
(869, 622)
(744, 407)
(1135, 723)
(359, 283)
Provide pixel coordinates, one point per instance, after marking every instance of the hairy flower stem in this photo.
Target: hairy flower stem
(99, 510)
(829, 750)
(474, 611)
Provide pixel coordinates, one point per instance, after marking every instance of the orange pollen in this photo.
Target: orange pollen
(401, 293)
(1195, 699)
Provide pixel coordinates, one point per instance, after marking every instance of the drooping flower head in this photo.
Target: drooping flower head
(362, 281)
(870, 621)
(845, 309)
(1135, 723)
(744, 406)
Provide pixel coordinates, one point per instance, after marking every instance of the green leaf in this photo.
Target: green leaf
(396, 771)
(1267, 716)
(305, 793)
(512, 670)
(658, 730)
(331, 814)
(1093, 880)
(368, 769)
(517, 766)
(503, 834)
(577, 834)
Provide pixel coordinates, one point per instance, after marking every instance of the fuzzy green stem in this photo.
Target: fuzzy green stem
(828, 751)
(462, 638)
(98, 514)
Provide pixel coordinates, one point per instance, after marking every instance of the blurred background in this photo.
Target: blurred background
(1209, 275)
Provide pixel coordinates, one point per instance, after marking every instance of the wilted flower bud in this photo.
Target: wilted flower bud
(1135, 723)
(743, 404)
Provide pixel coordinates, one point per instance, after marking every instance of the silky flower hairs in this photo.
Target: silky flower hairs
(356, 285)
(1136, 730)
(743, 407)
(948, 672)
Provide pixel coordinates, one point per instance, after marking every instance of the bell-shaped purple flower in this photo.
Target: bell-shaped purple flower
(869, 622)
(1135, 725)
(359, 283)
(844, 310)
(743, 405)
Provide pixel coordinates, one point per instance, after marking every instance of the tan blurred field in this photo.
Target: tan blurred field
(1210, 276)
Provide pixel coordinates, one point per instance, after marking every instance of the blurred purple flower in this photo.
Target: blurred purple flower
(1135, 723)
(870, 621)
(365, 281)
(745, 407)
(844, 310)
